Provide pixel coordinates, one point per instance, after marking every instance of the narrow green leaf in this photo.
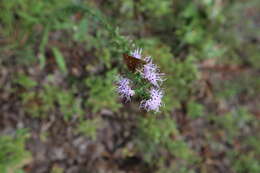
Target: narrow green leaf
(60, 60)
(25, 81)
(42, 46)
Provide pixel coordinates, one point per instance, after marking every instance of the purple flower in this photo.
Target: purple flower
(151, 73)
(124, 88)
(137, 53)
(154, 102)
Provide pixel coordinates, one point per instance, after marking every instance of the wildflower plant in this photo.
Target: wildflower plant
(124, 88)
(142, 80)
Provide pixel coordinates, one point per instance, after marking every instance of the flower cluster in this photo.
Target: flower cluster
(151, 74)
(154, 102)
(124, 88)
(137, 53)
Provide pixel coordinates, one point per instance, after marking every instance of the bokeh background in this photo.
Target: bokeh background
(59, 110)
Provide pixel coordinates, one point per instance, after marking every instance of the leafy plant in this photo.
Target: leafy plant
(89, 127)
(12, 151)
(102, 92)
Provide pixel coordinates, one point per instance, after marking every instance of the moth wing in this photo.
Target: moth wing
(132, 62)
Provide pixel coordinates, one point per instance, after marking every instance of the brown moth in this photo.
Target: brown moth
(133, 63)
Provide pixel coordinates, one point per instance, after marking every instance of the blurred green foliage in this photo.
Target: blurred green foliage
(44, 36)
(157, 135)
(89, 127)
(41, 102)
(12, 151)
(155, 8)
(102, 92)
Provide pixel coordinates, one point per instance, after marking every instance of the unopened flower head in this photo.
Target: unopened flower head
(154, 102)
(151, 73)
(137, 53)
(124, 88)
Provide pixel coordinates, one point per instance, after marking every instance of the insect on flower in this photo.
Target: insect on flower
(134, 60)
(133, 63)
